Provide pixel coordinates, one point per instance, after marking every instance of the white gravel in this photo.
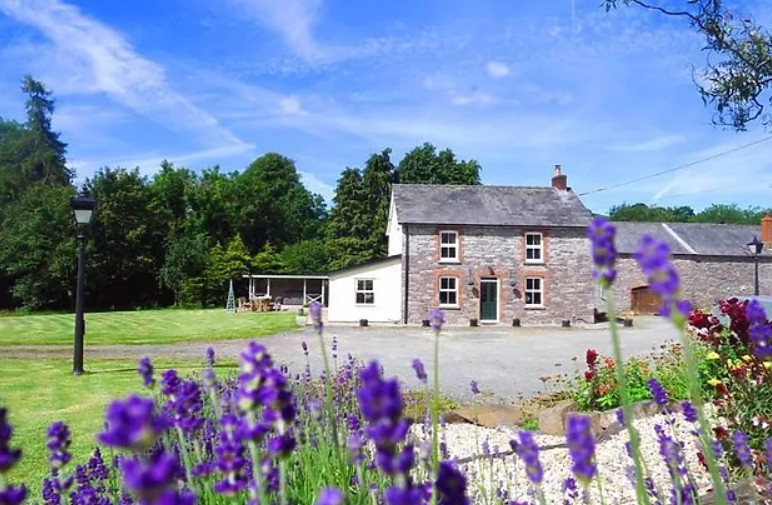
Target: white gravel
(486, 475)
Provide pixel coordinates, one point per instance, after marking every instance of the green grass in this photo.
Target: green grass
(39, 392)
(143, 327)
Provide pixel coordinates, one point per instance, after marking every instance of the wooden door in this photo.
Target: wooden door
(489, 300)
(645, 301)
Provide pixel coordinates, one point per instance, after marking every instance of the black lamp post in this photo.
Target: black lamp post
(755, 246)
(82, 209)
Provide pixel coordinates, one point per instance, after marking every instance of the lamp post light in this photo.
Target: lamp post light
(82, 209)
(755, 246)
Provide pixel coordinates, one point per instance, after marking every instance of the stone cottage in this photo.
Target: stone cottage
(500, 253)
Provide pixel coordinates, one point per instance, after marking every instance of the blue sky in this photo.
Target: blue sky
(518, 86)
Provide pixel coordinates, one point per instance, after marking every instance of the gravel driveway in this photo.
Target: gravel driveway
(504, 361)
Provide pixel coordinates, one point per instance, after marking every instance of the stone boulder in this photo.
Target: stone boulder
(488, 416)
(552, 421)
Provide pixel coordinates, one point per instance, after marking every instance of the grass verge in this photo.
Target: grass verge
(143, 327)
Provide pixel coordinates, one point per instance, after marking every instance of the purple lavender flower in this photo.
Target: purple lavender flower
(436, 319)
(153, 480)
(570, 491)
(601, 233)
(131, 424)
(528, 451)
(653, 257)
(230, 458)
(658, 392)
(209, 379)
(170, 382)
(58, 444)
(354, 444)
(145, 370)
(669, 449)
(13, 495)
(210, 356)
(315, 310)
(620, 415)
(759, 329)
(185, 406)
(420, 371)
(451, 485)
(741, 449)
(581, 447)
(8, 456)
(381, 404)
(474, 387)
(330, 496)
(689, 412)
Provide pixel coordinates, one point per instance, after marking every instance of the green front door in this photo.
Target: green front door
(489, 300)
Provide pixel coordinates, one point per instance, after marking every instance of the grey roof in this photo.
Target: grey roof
(489, 205)
(690, 238)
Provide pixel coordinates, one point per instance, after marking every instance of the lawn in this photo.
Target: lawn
(38, 392)
(143, 327)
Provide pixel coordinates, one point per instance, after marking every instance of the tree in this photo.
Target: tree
(274, 205)
(127, 248)
(654, 213)
(47, 162)
(730, 214)
(351, 217)
(37, 247)
(424, 165)
(185, 256)
(736, 81)
(306, 257)
(267, 261)
(377, 177)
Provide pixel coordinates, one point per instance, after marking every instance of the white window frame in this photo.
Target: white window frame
(441, 290)
(364, 292)
(532, 291)
(539, 248)
(454, 246)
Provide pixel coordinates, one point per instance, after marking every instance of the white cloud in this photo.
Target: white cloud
(652, 144)
(497, 69)
(476, 98)
(291, 106)
(293, 20)
(316, 185)
(88, 56)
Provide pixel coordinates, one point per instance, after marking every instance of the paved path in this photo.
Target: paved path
(504, 361)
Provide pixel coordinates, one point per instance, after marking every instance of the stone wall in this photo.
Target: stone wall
(704, 279)
(498, 252)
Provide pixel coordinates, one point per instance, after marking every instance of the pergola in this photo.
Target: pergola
(288, 287)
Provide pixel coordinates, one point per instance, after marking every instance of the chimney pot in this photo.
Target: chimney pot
(766, 231)
(559, 179)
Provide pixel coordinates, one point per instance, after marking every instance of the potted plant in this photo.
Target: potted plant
(363, 322)
(473, 321)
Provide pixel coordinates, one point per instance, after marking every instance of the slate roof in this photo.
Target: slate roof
(690, 238)
(489, 205)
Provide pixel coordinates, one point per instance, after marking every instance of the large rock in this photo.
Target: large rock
(489, 416)
(552, 421)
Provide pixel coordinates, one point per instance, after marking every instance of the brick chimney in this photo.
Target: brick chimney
(560, 180)
(766, 231)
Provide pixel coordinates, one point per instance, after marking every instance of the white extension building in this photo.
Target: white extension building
(368, 291)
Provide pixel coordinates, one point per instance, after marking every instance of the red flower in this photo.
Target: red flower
(592, 357)
(588, 375)
(610, 362)
(721, 432)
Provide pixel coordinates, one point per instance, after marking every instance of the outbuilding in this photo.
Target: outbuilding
(369, 291)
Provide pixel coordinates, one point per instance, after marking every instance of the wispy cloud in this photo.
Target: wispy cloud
(102, 61)
(497, 69)
(651, 144)
(294, 20)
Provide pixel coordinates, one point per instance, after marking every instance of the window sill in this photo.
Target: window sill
(536, 263)
(365, 304)
(449, 262)
(450, 307)
(535, 307)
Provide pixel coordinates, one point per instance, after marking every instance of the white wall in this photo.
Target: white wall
(394, 231)
(387, 284)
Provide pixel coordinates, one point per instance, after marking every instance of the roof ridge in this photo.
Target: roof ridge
(471, 186)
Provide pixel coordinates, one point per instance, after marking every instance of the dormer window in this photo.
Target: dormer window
(534, 247)
(449, 246)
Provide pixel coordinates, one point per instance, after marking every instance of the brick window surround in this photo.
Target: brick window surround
(544, 281)
(460, 277)
(459, 244)
(544, 247)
